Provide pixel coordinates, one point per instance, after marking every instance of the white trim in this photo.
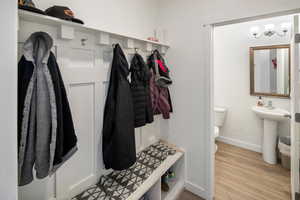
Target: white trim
(48, 20)
(82, 185)
(254, 18)
(9, 105)
(195, 189)
(294, 109)
(209, 92)
(240, 143)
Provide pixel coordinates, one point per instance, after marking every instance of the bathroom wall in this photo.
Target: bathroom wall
(232, 82)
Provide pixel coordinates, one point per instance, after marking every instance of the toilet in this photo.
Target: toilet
(220, 114)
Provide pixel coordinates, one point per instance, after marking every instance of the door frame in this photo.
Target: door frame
(295, 109)
(9, 105)
(209, 72)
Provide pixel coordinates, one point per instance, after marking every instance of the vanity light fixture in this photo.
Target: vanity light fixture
(270, 30)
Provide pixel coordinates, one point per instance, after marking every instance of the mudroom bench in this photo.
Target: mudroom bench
(143, 179)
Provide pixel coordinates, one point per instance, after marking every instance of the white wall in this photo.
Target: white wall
(131, 17)
(232, 82)
(190, 92)
(8, 100)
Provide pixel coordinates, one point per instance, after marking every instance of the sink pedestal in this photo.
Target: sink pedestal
(271, 118)
(270, 141)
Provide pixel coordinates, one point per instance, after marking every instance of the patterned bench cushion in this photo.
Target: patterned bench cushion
(119, 185)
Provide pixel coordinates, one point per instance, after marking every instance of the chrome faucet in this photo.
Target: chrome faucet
(270, 104)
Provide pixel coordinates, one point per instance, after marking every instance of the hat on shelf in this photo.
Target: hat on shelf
(29, 6)
(62, 12)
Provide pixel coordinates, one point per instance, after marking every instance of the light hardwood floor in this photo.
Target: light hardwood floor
(243, 175)
(186, 195)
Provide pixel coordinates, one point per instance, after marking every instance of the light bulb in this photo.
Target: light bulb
(269, 27)
(285, 27)
(254, 31)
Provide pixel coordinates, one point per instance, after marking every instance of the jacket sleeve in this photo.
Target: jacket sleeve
(66, 140)
(109, 121)
(25, 70)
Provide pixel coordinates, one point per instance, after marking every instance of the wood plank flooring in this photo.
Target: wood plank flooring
(186, 195)
(243, 175)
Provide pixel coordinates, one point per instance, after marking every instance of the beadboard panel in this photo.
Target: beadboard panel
(85, 68)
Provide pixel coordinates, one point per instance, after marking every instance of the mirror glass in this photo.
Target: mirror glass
(270, 70)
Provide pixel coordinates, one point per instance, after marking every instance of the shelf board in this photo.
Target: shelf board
(155, 176)
(52, 21)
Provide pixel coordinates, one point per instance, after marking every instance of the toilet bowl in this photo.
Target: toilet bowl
(217, 131)
(220, 114)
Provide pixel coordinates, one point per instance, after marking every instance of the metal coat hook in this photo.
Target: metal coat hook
(83, 41)
(136, 50)
(152, 52)
(114, 45)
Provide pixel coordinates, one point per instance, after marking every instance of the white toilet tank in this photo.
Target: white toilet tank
(220, 114)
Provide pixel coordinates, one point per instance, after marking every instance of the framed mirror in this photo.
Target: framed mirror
(270, 71)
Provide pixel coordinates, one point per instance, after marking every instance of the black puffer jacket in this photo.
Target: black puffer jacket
(140, 80)
(118, 126)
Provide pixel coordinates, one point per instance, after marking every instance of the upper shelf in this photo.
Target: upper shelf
(48, 20)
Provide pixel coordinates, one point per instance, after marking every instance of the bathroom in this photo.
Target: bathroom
(243, 90)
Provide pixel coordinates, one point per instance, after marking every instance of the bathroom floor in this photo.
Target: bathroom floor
(242, 174)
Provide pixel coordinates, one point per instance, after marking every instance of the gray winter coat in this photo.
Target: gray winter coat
(46, 133)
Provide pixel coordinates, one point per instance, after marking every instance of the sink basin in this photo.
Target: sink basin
(275, 114)
(270, 118)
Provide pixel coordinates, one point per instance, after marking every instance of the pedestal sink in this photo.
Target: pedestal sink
(271, 117)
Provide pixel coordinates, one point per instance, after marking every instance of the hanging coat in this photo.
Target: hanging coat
(161, 99)
(159, 82)
(118, 127)
(46, 135)
(140, 80)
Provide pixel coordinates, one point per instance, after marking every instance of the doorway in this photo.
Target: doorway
(233, 140)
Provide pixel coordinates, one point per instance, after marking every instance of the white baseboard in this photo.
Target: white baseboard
(195, 189)
(239, 143)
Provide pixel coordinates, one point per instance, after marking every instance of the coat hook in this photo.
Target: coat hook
(83, 41)
(136, 50)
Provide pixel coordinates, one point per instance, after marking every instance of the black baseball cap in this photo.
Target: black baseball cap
(28, 5)
(62, 12)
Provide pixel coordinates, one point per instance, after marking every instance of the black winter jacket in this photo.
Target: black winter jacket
(118, 127)
(140, 80)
